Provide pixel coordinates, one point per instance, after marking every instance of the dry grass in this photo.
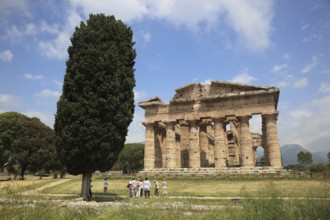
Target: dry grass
(176, 187)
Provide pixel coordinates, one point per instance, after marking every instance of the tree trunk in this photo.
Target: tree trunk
(22, 172)
(86, 187)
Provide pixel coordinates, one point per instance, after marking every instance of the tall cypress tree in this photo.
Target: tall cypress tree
(97, 103)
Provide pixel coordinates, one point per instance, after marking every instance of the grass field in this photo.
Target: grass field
(188, 198)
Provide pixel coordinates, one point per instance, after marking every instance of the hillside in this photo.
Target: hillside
(289, 154)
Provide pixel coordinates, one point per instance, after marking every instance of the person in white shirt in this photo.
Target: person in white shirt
(105, 185)
(146, 187)
(164, 186)
(156, 188)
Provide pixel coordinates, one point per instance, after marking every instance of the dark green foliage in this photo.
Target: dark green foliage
(97, 103)
(26, 142)
(296, 167)
(318, 168)
(305, 158)
(131, 158)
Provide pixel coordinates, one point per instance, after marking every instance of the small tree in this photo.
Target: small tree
(318, 168)
(28, 141)
(305, 158)
(97, 103)
(131, 158)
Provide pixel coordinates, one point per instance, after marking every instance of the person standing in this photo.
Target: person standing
(138, 188)
(146, 187)
(164, 187)
(105, 185)
(133, 182)
(156, 188)
(141, 188)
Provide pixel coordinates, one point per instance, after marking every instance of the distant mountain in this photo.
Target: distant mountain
(289, 154)
(320, 157)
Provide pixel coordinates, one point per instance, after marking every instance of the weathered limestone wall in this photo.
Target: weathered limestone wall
(191, 131)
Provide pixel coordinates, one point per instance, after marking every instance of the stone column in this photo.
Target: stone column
(194, 149)
(159, 145)
(210, 144)
(220, 155)
(149, 149)
(203, 143)
(264, 142)
(245, 142)
(184, 143)
(255, 156)
(177, 146)
(170, 145)
(274, 154)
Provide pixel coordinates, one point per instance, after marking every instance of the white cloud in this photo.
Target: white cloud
(46, 118)
(136, 131)
(58, 83)
(313, 37)
(251, 20)
(16, 34)
(138, 96)
(49, 28)
(146, 36)
(56, 49)
(286, 56)
(325, 72)
(300, 83)
(8, 6)
(300, 113)
(324, 87)
(310, 66)
(304, 26)
(282, 84)
(6, 56)
(48, 93)
(33, 77)
(9, 100)
(125, 10)
(308, 126)
(244, 77)
(207, 81)
(279, 68)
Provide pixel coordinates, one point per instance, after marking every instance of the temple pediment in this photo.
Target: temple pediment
(220, 89)
(154, 101)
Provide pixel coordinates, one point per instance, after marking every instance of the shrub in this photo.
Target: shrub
(318, 168)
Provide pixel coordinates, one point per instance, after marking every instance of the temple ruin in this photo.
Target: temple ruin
(207, 126)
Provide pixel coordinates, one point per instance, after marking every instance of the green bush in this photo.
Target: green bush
(318, 168)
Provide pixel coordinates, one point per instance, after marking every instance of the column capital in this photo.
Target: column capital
(271, 116)
(193, 121)
(169, 123)
(147, 123)
(244, 117)
(205, 121)
(219, 119)
(183, 123)
(161, 124)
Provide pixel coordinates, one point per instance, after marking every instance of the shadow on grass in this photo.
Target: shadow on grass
(106, 197)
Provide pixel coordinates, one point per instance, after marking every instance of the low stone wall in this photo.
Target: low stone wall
(212, 171)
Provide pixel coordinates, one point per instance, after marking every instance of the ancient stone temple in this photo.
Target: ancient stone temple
(207, 126)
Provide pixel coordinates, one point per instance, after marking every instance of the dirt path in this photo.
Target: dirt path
(38, 191)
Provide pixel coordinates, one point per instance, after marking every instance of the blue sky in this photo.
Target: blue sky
(284, 43)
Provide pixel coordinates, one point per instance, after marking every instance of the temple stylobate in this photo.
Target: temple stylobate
(207, 126)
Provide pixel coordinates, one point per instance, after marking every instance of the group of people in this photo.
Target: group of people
(138, 187)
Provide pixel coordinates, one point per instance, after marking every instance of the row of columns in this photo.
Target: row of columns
(171, 152)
